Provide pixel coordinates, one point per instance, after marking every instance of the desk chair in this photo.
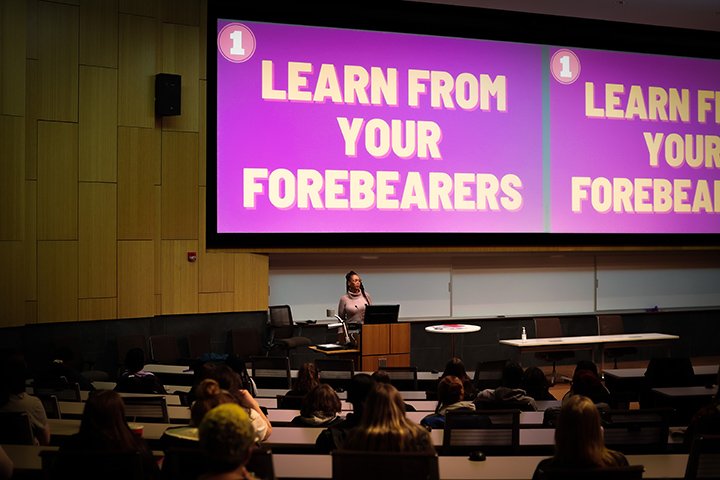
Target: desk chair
(164, 349)
(337, 372)
(149, 409)
(16, 429)
(245, 343)
(403, 378)
(360, 465)
(89, 464)
(613, 325)
(271, 372)
(188, 463)
(198, 344)
(495, 431)
(64, 393)
(632, 472)
(290, 402)
(704, 458)
(640, 431)
(548, 327)
(282, 329)
(51, 405)
(488, 374)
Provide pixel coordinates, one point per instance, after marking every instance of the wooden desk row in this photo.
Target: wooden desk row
(665, 466)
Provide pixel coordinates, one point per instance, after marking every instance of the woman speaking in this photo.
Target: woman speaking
(352, 305)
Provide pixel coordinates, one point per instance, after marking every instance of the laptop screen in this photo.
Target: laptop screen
(375, 314)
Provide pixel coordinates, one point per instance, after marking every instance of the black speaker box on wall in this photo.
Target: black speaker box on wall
(167, 94)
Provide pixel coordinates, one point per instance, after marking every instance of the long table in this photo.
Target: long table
(596, 343)
(664, 466)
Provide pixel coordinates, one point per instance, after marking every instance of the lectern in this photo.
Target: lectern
(387, 343)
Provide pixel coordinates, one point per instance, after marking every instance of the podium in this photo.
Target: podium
(385, 343)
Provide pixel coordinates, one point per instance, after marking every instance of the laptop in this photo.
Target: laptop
(378, 314)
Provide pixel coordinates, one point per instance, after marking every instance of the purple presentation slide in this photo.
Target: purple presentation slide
(634, 142)
(334, 130)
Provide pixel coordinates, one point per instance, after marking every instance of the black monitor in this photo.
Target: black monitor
(376, 314)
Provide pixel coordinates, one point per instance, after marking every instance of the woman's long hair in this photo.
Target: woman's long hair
(307, 378)
(103, 419)
(579, 436)
(208, 395)
(450, 390)
(384, 425)
(348, 276)
(321, 399)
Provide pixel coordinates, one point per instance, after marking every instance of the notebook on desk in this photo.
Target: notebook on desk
(330, 346)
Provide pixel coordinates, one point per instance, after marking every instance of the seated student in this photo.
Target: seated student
(226, 436)
(450, 397)
(381, 376)
(320, 408)
(60, 372)
(136, 380)
(508, 394)
(706, 421)
(335, 436)
(586, 381)
(385, 427)
(579, 440)
(14, 398)
(307, 379)
(536, 384)
(456, 368)
(103, 428)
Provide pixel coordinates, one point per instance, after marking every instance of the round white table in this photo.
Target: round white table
(452, 329)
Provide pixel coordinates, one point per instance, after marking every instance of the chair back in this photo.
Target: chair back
(403, 378)
(189, 463)
(632, 472)
(198, 344)
(164, 349)
(290, 402)
(271, 372)
(361, 465)
(16, 429)
(490, 430)
(245, 342)
(51, 406)
(547, 327)
(149, 409)
(82, 465)
(704, 458)
(637, 431)
(669, 372)
(488, 374)
(610, 324)
(66, 393)
(337, 372)
(281, 321)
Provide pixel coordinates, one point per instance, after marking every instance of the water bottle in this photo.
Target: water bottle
(523, 335)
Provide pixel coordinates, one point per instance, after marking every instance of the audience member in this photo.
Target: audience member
(103, 428)
(385, 427)
(450, 397)
(136, 380)
(586, 381)
(381, 376)
(60, 372)
(508, 394)
(307, 379)
(579, 440)
(320, 408)
(6, 465)
(536, 385)
(226, 436)
(335, 436)
(706, 421)
(456, 367)
(14, 398)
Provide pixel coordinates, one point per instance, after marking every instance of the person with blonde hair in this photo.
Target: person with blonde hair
(385, 427)
(227, 436)
(579, 440)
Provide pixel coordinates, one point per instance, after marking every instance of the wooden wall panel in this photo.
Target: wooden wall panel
(216, 302)
(31, 14)
(179, 186)
(57, 181)
(137, 69)
(12, 179)
(98, 124)
(136, 279)
(202, 152)
(58, 56)
(251, 282)
(184, 12)
(203, 40)
(217, 269)
(179, 277)
(30, 241)
(138, 172)
(99, 33)
(13, 36)
(97, 234)
(97, 308)
(57, 281)
(180, 55)
(32, 106)
(147, 8)
(12, 296)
